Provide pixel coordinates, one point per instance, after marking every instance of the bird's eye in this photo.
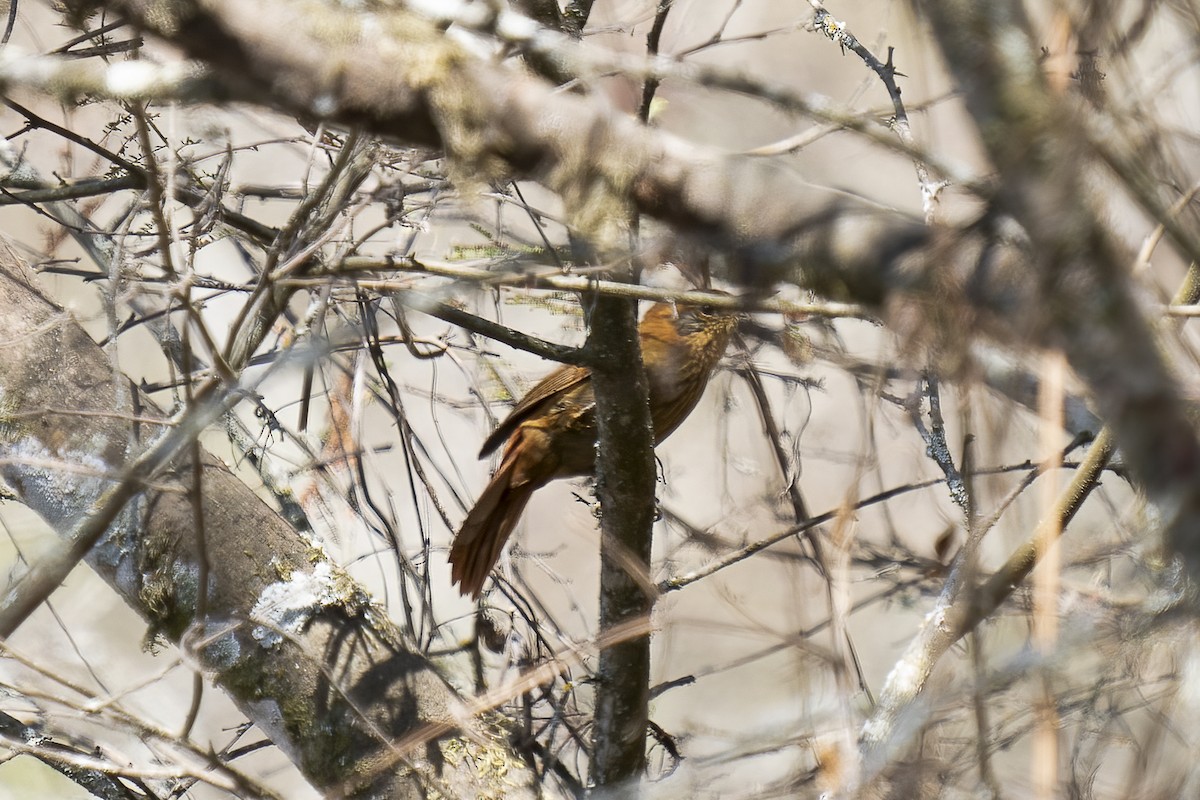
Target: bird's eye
(708, 311)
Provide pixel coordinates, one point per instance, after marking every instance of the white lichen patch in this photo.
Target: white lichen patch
(13, 166)
(222, 650)
(185, 577)
(286, 607)
(59, 486)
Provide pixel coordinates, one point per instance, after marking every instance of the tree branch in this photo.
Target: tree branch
(625, 478)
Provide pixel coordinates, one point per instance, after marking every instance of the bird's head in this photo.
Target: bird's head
(706, 320)
(699, 328)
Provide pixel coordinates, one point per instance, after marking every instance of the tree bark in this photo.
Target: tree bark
(625, 476)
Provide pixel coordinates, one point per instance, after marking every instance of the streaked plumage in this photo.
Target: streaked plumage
(551, 433)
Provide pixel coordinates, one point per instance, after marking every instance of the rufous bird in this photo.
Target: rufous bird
(551, 433)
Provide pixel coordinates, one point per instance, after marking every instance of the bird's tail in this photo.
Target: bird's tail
(487, 527)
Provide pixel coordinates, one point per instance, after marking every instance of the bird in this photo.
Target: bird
(551, 432)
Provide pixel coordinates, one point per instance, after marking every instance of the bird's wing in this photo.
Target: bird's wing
(554, 385)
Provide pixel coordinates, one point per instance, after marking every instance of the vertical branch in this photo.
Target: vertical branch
(196, 496)
(936, 445)
(575, 16)
(625, 475)
(1046, 583)
(836, 30)
(969, 555)
(652, 42)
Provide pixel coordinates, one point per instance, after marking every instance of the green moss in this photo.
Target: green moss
(166, 600)
(322, 748)
(489, 755)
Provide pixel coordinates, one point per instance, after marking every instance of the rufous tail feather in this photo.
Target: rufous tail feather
(487, 527)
